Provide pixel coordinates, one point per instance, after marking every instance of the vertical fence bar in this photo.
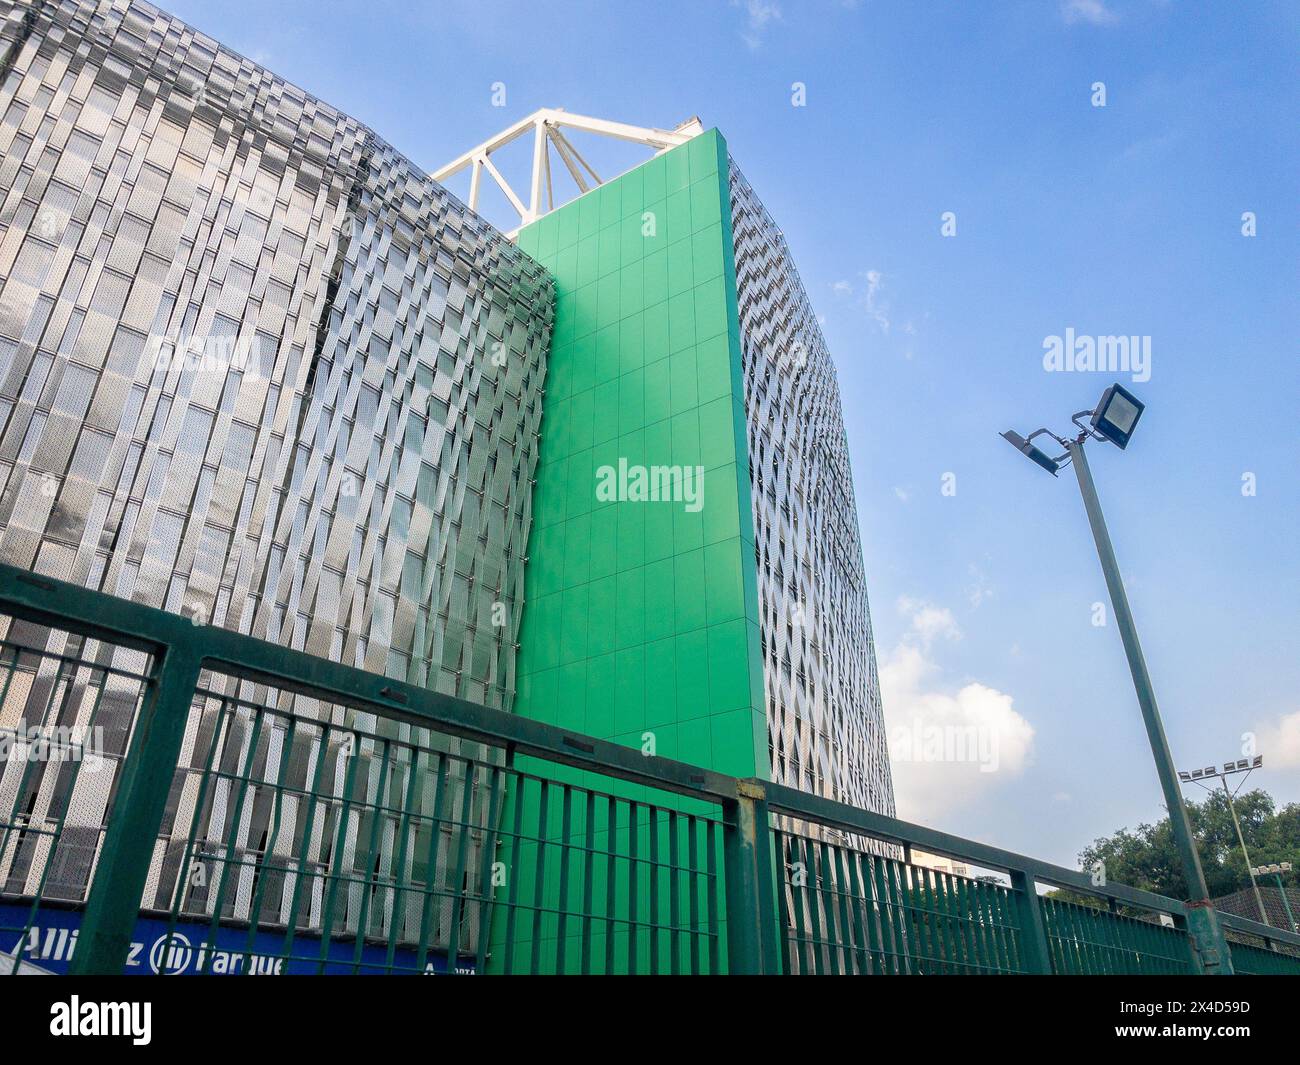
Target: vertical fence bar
(335, 871)
(588, 861)
(892, 943)
(113, 904)
(851, 910)
(429, 896)
(369, 870)
(303, 875)
(991, 932)
(851, 900)
(397, 921)
(789, 905)
(512, 901)
(566, 830)
(912, 949)
(1034, 956)
(611, 873)
(227, 857)
(272, 834)
(633, 884)
(813, 893)
(918, 919)
(967, 923)
(693, 858)
(747, 862)
(652, 812)
(496, 814)
(674, 899)
(539, 880)
(456, 881)
(715, 930)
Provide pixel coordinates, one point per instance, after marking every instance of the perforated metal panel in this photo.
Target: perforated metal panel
(257, 368)
(825, 725)
(254, 365)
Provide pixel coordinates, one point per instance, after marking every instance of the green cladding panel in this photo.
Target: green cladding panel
(641, 618)
(641, 621)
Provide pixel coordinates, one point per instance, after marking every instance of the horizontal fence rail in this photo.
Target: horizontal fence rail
(177, 798)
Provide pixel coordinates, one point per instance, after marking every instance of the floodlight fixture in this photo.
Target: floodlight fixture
(1023, 445)
(1116, 416)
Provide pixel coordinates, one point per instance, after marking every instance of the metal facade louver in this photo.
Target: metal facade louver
(359, 487)
(825, 725)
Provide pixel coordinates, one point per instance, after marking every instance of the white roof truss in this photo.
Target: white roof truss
(547, 127)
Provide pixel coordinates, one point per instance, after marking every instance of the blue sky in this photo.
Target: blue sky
(1117, 220)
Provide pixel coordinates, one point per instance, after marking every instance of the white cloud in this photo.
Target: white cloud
(947, 747)
(979, 589)
(758, 13)
(927, 621)
(869, 296)
(902, 494)
(876, 308)
(1279, 742)
(1093, 12)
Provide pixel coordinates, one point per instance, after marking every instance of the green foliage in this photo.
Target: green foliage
(1148, 858)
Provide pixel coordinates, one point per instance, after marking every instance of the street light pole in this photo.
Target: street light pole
(1232, 807)
(1286, 902)
(1201, 919)
(1141, 679)
(1114, 420)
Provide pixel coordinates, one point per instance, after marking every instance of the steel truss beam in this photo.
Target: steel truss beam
(547, 127)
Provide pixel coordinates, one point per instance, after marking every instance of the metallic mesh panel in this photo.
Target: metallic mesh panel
(255, 366)
(825, 725)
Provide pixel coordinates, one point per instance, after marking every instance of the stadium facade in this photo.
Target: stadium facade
(258, 367)
(736, 636)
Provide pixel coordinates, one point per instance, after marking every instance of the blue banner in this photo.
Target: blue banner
(49, 944)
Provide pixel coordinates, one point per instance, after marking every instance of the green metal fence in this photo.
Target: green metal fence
(1083, 940)
(262, 810)
(1251, 960)
(846, 910)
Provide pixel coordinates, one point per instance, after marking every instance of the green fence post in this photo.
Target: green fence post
(747, 864)
(1035, 957)
(113, 904)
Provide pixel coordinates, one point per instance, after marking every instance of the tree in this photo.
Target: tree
(1148, 858)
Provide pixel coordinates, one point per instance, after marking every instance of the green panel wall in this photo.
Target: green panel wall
(641, 619)
(641, 616)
